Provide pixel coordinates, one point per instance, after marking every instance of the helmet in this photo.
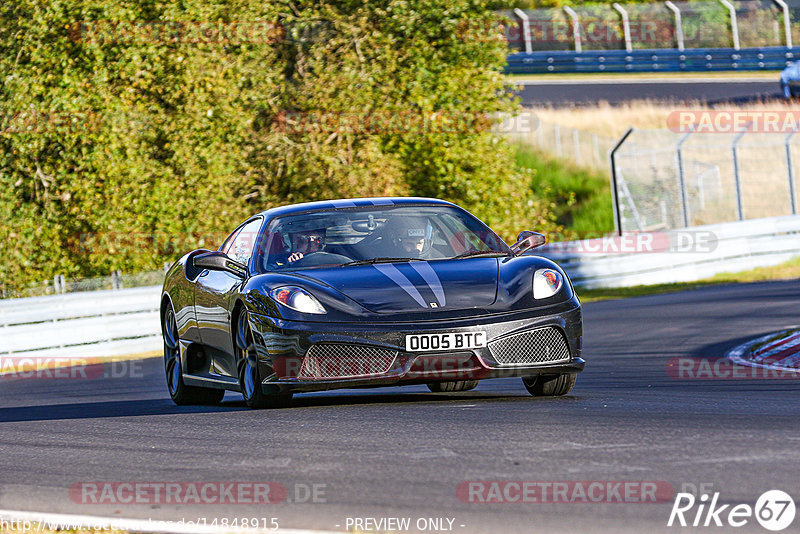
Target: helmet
(312, 238)
(411, 234)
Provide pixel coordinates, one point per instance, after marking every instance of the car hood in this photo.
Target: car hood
(414, 286)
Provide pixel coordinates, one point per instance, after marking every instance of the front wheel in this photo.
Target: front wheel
(550, 385)
(179, 392)
(250, 378)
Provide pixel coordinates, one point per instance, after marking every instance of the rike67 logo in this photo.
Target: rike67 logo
(774, 510)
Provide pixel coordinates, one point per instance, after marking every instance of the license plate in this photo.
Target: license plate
(447, 341)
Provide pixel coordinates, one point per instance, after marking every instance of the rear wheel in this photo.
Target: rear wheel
(550, 385)
(250, 378)
(179, 392)
(454, 385)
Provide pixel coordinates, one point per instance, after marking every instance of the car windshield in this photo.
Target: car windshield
(348, 237)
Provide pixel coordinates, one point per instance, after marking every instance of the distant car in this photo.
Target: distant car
(790, 80)
(365, 293)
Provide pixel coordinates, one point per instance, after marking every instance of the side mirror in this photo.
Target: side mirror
(219, 261)
(527, 241)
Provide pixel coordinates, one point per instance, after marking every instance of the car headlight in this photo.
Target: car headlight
(546, 283)
(297, 299)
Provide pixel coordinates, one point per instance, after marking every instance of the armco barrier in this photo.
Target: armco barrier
(652, 60)
(108, 323)
(88, 324)
(694, 253)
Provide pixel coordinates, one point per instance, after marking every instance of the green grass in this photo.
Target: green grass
(581, 197)
(789, 270)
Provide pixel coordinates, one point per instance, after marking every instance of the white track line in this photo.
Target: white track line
(80, 522)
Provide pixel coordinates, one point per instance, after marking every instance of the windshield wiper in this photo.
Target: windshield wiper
(472, 253)
(372, 261)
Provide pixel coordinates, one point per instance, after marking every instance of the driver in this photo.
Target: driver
(305, 242)
(410, 235)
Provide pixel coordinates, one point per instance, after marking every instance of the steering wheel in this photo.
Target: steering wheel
(313, 259)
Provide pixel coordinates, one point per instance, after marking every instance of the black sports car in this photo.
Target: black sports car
(364, 293)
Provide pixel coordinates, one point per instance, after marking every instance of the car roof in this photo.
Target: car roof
(352, 203)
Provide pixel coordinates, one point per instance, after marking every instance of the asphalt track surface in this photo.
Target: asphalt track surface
(587, 92)
(402, 452)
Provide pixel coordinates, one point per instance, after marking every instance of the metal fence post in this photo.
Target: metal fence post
(557, 131)
(787, 26)
(734, 25)
(576, 27)
(614, 190)
(596, 148)
(541, 134)
(678, 24)
(116, 279)
(526, 29)
(626, 26)
(682, 178)
(577, 145)
(736, 179)
(790, 171)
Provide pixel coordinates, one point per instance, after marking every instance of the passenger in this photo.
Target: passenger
(411, 235)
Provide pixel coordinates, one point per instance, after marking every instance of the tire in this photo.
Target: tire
(249, 374)
(179, 392)
(787, 91)
(550, 385)
(454, 385)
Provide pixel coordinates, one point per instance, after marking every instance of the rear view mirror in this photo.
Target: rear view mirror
(526, 241)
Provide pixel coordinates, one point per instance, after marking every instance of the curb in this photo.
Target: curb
(779, 351)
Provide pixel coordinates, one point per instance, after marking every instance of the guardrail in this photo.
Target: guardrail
(652, 60)
(642, 258)
(85, 325)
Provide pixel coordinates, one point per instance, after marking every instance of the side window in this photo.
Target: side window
(226, 246)
(241, 246)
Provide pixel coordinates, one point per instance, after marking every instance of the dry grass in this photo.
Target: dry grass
(612, 121)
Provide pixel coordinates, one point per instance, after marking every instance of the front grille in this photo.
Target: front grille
(333, 360)
(543, 345)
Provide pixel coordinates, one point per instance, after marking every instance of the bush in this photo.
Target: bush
(580, 198)
(125, 143)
